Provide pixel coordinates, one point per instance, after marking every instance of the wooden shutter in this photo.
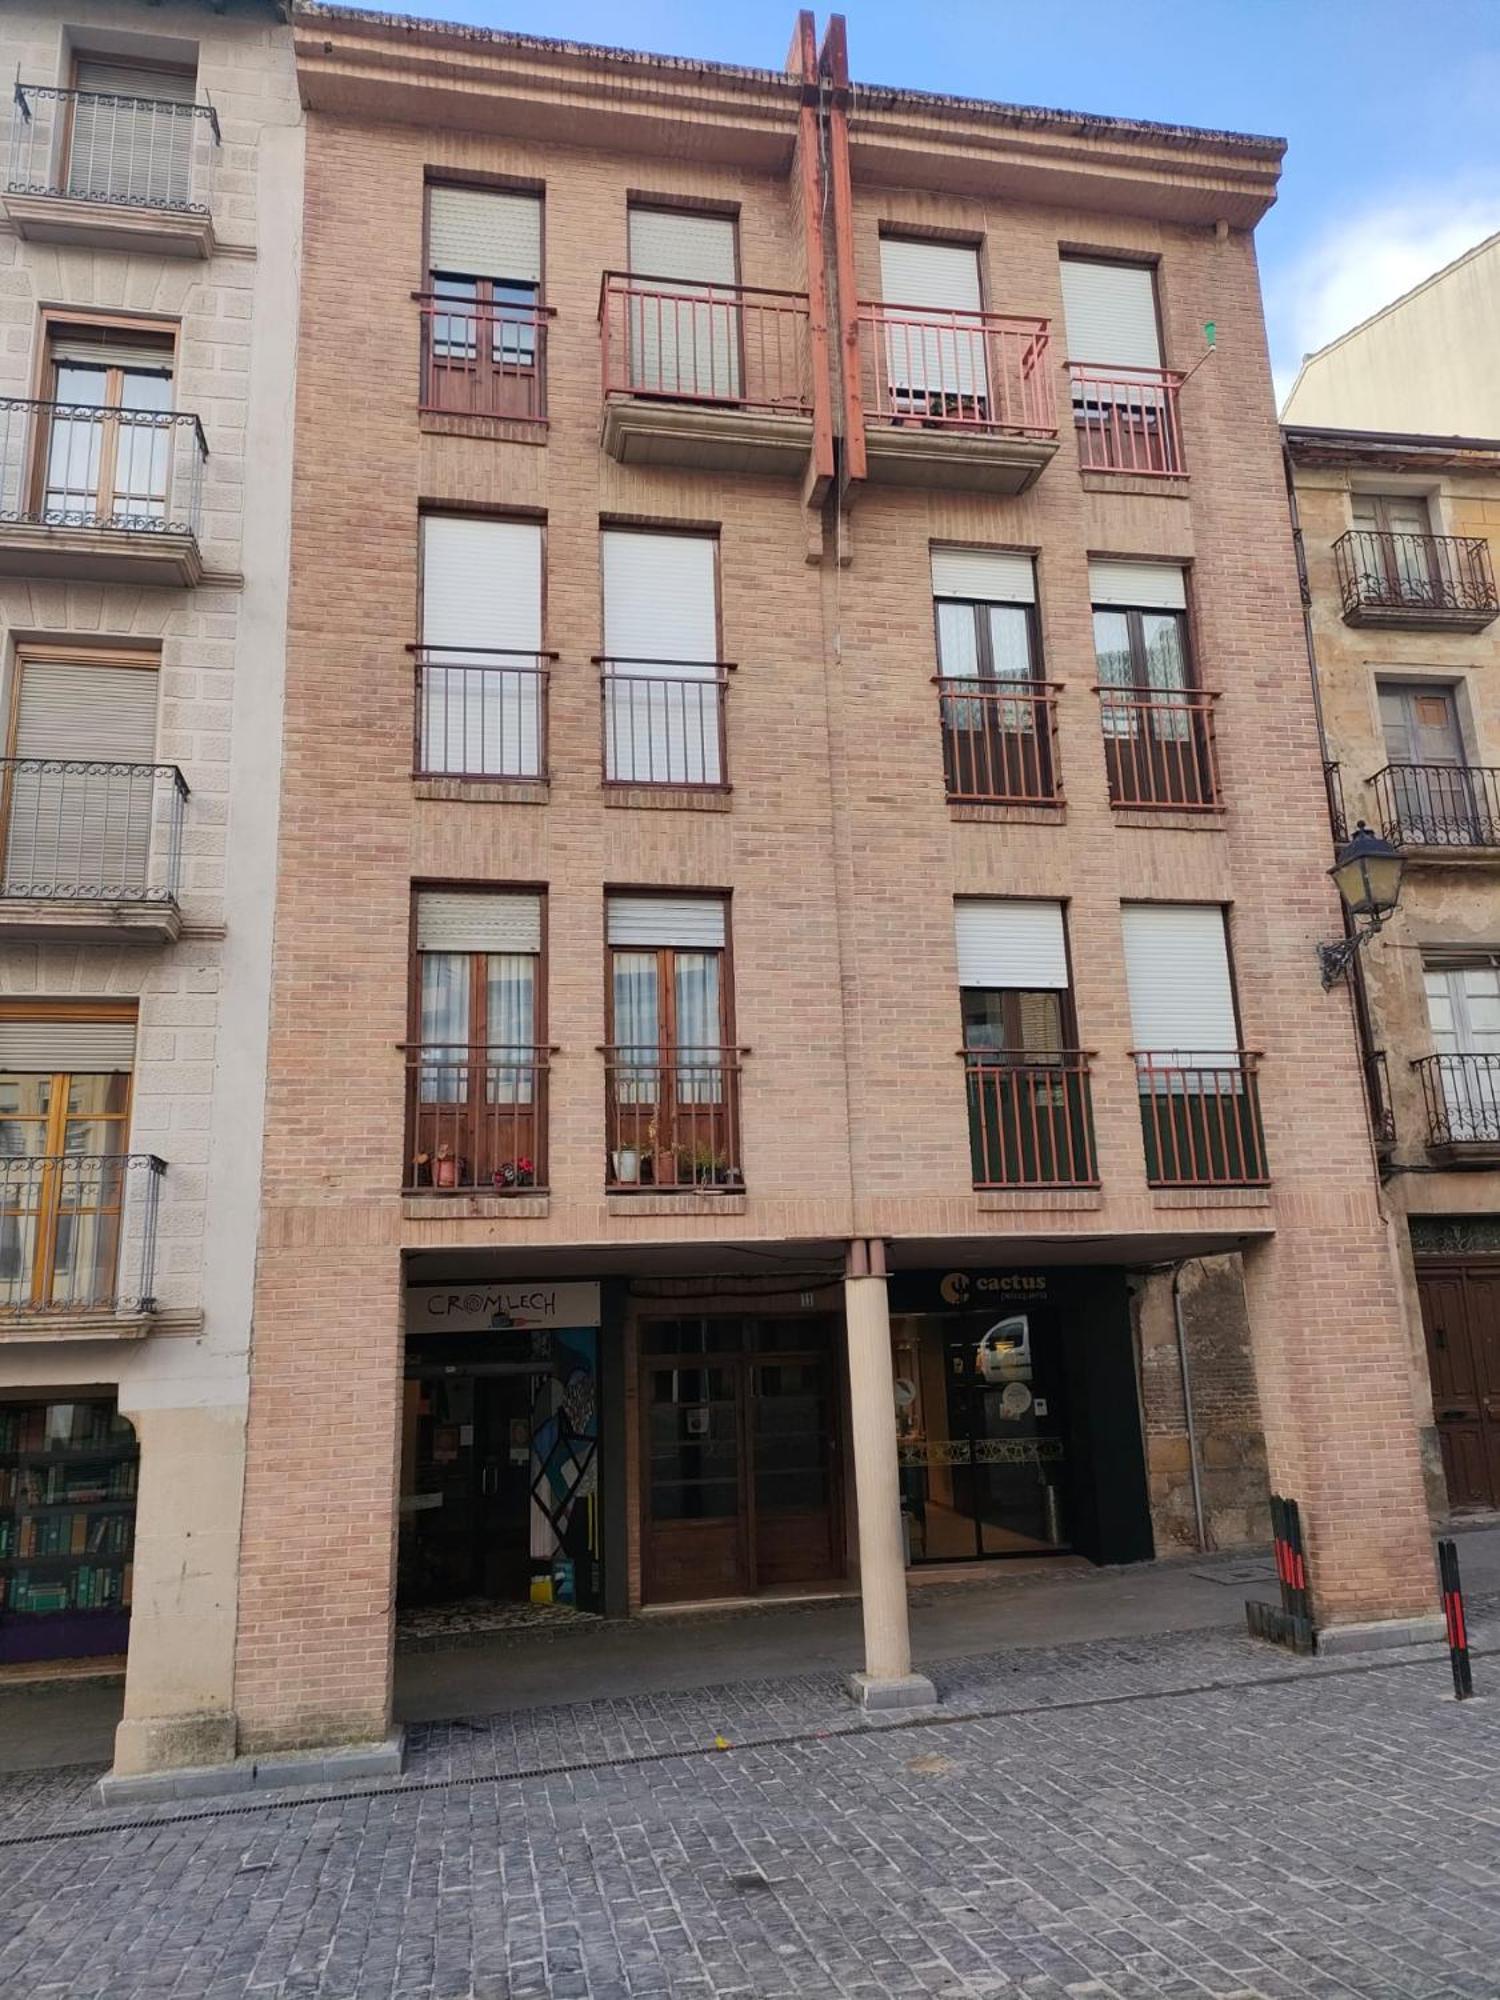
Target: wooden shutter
(479, 233)
(131, 152)
(461, 920)
(62, 1046)
(1111, 314)
(993, 576)
(1147, 586)
(692, 923)
(1007, 943)
(1177, 969)
(659, 600)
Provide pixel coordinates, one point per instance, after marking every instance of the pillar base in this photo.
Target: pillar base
(257, 1774)
(172, 1742)
(877, 1693)
(1380, 1634)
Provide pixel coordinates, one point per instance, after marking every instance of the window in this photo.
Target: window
(1124, 407)
(484, 323)
(1463, 1010)
(1158, 742)
(936, 366)
(685, 337)
(481, 671)
(673, 1072)
(106, 454)
(663, 683)
(1110, 311)
(1199, 1108)
(1394, 548)
(130, 138)
(476, 1069)
(80, 786)
(996, 713)
(1030, 1120)
(1429, 795)
(64, 1124)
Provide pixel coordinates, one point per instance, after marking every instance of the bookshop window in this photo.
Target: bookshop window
(67, 1529)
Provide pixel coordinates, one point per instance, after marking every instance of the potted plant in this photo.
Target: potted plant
(702, 1164)
(663, 1159)
(516, 1173)
(445, 1167)
(625, 1162)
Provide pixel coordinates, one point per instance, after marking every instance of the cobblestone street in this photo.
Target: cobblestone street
(1120, 1820)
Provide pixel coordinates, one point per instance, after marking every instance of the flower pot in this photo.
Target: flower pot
(445, 1171)
(664, 1169)
(627, 1166)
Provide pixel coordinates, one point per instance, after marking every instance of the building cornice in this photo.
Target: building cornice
(1409, 451)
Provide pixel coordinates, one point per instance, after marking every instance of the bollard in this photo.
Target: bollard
(1453, 1614)
(1292, 1625)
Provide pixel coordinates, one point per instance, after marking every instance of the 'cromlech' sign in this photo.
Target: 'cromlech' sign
(483, 1308)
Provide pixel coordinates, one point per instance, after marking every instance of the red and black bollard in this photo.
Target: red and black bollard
(1291, 1625)
(1453, 1614)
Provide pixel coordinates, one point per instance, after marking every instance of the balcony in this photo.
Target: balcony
(1159, 748)
(476, 1119)
(1462, 1097)
(93, 851)
(78, 1245)
(484, 364)
(100, 494)
(672, 1118)
(481, 716)
(999, 742)
(1127, 421)
(1200, 1118)
(664, 724)
(108, 172)
(1378, 1097)
(1031, 1120)
(710, 376)
(956, 399)
(1445, 582)
(1444, 809)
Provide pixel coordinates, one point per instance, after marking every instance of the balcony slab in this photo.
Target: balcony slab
(110, 225)
(916, 454)
(640, 432)
(40, 1329)
(35, 919)
(99, 555)
(1421, 617)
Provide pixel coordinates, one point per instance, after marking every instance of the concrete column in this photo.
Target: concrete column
(887, 1680)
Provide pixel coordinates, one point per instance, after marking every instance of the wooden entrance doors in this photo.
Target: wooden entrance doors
(739, 1461)
(1461, 1319)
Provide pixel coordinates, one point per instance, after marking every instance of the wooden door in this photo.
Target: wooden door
(1461, 1320)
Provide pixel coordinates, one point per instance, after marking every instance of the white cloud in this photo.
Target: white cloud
(1364, 260)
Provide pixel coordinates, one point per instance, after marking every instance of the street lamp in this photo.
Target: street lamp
(1367, 874)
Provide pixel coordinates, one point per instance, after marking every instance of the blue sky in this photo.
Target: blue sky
(1389, 105)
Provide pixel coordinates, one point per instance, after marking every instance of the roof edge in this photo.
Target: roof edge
(1390, 306)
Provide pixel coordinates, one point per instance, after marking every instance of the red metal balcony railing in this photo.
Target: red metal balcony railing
(999, 741)
(483, 358)
(1159, 747)
(1031, 1119)
(1127, 419)
(480, 713)
(672, 1117)
(1438, 805)
(1416, 579)
(476, 1118)
(1462, 1096)
(736, 346)
(954, 370)
(1200, 1118)
(664, 723)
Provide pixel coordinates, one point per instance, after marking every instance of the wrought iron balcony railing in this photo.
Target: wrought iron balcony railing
(943, 369)
(665, 723)
(1378, 1096)
(999, 741)
(80, 465)
(79, 831)
(78, 1233)
(1200, 1117)
(731, 346)
(1031, 1119)
(483, 358)
(103, 146)
(476, 1118)
(1338, 812)
(1127, 420)
(672, 1117)
(1462, 1097)
(481, 713)
(1387, 579)
(1438, 805)
(1159, 747)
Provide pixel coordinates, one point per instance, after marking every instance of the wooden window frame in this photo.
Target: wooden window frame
(59, 322)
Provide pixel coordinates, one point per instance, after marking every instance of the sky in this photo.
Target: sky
(1389, 106)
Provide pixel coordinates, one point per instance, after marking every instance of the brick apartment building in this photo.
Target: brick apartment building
(150, 198)
(801, 857)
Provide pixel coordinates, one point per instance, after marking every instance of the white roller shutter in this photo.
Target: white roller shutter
(144, 357)
(479, 233)
(679, 244)
(947, 358)
(103, 713)
(693, 923)
(1148, 586)
(126, 143)
(1008, 943)
(84, 1048)
(1177, 970)
(456, 920)
(929, 274)
(992, 576)
(73, 831)
(1111, 315)
(681, 345)
(659, 599)
(481, 588)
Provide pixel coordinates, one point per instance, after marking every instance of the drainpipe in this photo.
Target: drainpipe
(1199, 1522)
